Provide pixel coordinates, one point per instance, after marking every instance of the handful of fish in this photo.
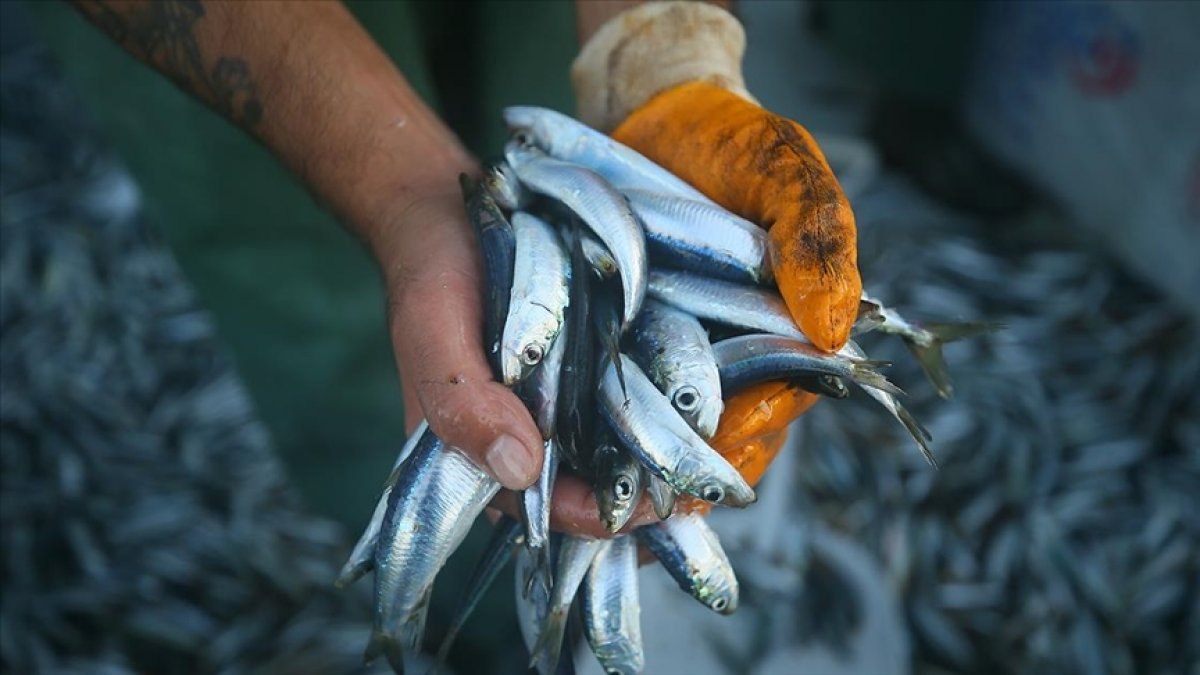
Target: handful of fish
(608, 281)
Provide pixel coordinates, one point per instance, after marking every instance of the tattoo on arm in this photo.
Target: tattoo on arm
(162, 34)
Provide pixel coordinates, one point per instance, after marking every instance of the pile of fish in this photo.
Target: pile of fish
(623, 306)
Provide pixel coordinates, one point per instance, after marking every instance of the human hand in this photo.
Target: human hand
(665, 79)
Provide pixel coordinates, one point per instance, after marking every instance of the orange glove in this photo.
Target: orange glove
(665, 79)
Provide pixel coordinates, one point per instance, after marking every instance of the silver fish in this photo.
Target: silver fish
(724, 302)
(647, 424)
(702, 237)
(575, 556)
(567, 139)
(662, 497)
(919, 433)
(925, 340)
(436, 498)
(536, 503)
(362, 557)
(541, 274)
(533, 605)
(601, 207)
(598, 256)
(610, 608)
(692, 554)
(673, 350)
(617, 481)
(501, 182)
(749, 359)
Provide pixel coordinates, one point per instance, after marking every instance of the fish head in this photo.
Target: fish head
(699, 402)
(520, 359)
(619, 484)
(719, 592)
(503, 185)
(710, 477)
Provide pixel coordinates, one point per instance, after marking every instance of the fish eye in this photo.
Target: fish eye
(686, 398)
(720, 604)
(623, 488)
(523, 138)
(532, 355)
(712, 494)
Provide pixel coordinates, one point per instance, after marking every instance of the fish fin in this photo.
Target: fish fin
(919, 433)
(550, 640)
(928, 351)
(869, 317)
(865, 375)
(352, 571)
(388, 646)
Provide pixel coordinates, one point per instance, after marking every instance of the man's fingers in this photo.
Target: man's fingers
(436, 325)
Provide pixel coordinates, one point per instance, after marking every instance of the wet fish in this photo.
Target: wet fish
(575, 556)
(702, 237)
(506, 535)
(925, 340)
(577, 399)
(611, 611)
(497, 244)
(436, 498)
(601, 207)
(568, 139)
(617, 480)
(648, 424)
(919, 433)
(539, 297)
(536, 508)
(598, 256)
(829, 386)
(606, 319)
(662, 497)
(505, 188)
(362, 557)
(673, 350)
(750, 359)
(532, 610)
(692, 554)
(725, 302)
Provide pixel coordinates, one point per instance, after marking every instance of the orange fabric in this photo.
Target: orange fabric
(769, 170)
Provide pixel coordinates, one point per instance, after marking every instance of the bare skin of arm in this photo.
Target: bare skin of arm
(309, 83)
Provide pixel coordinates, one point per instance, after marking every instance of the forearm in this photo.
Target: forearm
(591, 14)
(306, 80)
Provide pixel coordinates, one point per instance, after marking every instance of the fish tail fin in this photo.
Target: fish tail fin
(928, 351)
(544, 569)
(919, 433)
(865, 374)
(550, 640)
(388, 646)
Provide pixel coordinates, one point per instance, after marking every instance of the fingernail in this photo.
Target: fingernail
(509, 460)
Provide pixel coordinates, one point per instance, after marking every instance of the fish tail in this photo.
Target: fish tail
(928, 349)
(388, 646)
(919, 433)
(551, 639)
(864, 374)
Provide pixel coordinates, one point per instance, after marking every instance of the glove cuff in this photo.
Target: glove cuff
(650, 48)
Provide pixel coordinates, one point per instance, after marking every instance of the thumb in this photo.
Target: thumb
(436, 323)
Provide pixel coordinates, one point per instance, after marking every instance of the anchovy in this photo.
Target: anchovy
(673, 350)
(575, 556)
(610, 609)
(662, 497)
(598, 256)
(606, 319)
(925, 340)
(648, 425)
(692, 554)
(919, 433)
(617, 480)
(497, 244)
(757, 309)
(436, 498)
(539, 297)
(506, 535)
(362, 557)
(576, 399)
(829, 386)
(702, 237)
(532, 609)
(536, 502)
(601, 207)
(750, 359)
(502, 184)
(570, 140)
